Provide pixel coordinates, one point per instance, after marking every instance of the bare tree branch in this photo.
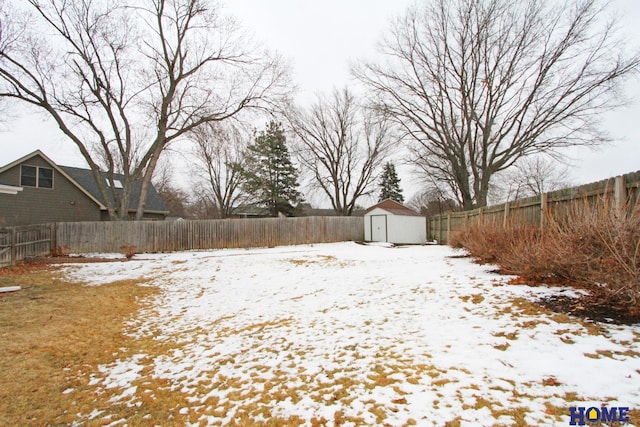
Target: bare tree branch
(478, 84)
(531, 176)
(124, 79)
(219, 158)
(343, 145)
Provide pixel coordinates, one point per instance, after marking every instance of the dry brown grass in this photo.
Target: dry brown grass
(319, 260)
(52, 335)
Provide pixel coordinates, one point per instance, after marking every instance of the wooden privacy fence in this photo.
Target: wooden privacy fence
(622, 192)
(18, 243)
(168, 236)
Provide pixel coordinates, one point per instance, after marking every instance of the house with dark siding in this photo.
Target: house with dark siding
(35, 190)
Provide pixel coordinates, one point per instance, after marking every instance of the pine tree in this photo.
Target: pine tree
(390, 184)
(269, 174)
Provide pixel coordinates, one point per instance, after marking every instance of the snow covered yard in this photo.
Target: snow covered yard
(346, 334)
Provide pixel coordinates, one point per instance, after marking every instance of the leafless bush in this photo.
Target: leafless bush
(60, 251)
(128, 251)
(485, 240)
(593, 245)
(599, 246)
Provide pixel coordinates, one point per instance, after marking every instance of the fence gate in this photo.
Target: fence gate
(5, 247)
(18, 243)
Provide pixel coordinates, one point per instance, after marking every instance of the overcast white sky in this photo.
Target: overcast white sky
(320, 39)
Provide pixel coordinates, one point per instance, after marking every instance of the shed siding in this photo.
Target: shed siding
(367, 222)
(378, 211)
(401, 229)
(407, 229)
(65, 202)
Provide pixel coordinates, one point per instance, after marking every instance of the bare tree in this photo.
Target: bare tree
(10, 29)
(220, 156)
(343, 145)
(533, 176)
(8, 32)
(175, 198)
(124, 80)
(479, 84)
(430, 203)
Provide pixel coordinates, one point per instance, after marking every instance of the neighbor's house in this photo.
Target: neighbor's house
(390, 221)
(35, 190)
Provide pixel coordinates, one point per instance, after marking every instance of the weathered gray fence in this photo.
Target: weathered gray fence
(622, 191)
(168, 236)
(18, 243)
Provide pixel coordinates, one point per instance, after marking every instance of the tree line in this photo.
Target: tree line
(234, 169)
(466, 92)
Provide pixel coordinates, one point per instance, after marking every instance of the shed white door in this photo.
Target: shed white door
(378, 228)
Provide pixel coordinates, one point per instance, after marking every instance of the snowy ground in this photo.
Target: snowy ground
(346, 333)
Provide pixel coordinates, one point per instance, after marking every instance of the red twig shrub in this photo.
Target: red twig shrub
(128, 251)
(592, 245)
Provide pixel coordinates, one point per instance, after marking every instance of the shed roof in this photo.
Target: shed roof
(394, 207)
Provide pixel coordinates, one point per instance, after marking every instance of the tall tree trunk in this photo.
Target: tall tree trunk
(144, 186)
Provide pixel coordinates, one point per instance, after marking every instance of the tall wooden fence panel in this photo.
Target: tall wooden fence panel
(168, 236)
(18, 243)
(621, 192)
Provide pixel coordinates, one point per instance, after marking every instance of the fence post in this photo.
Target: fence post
(544, 207)
(506, 213)
(14, 248)
(448, 226)
(52, 236)
(619, 194)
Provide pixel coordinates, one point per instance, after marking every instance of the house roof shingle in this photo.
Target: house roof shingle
(85, 178)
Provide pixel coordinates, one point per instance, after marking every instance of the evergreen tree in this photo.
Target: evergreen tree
(390, 184)
(269, 174)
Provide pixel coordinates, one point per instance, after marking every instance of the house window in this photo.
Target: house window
(45, 178)
(36, 176)
(29, 176)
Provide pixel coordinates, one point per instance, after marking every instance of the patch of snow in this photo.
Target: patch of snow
(413, 333)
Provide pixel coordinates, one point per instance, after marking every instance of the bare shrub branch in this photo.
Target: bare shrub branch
(590, 244)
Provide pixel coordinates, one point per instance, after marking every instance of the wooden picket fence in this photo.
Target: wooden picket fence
(622, 192)
(169, 236)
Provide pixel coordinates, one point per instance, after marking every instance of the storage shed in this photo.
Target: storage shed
(390, 221)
